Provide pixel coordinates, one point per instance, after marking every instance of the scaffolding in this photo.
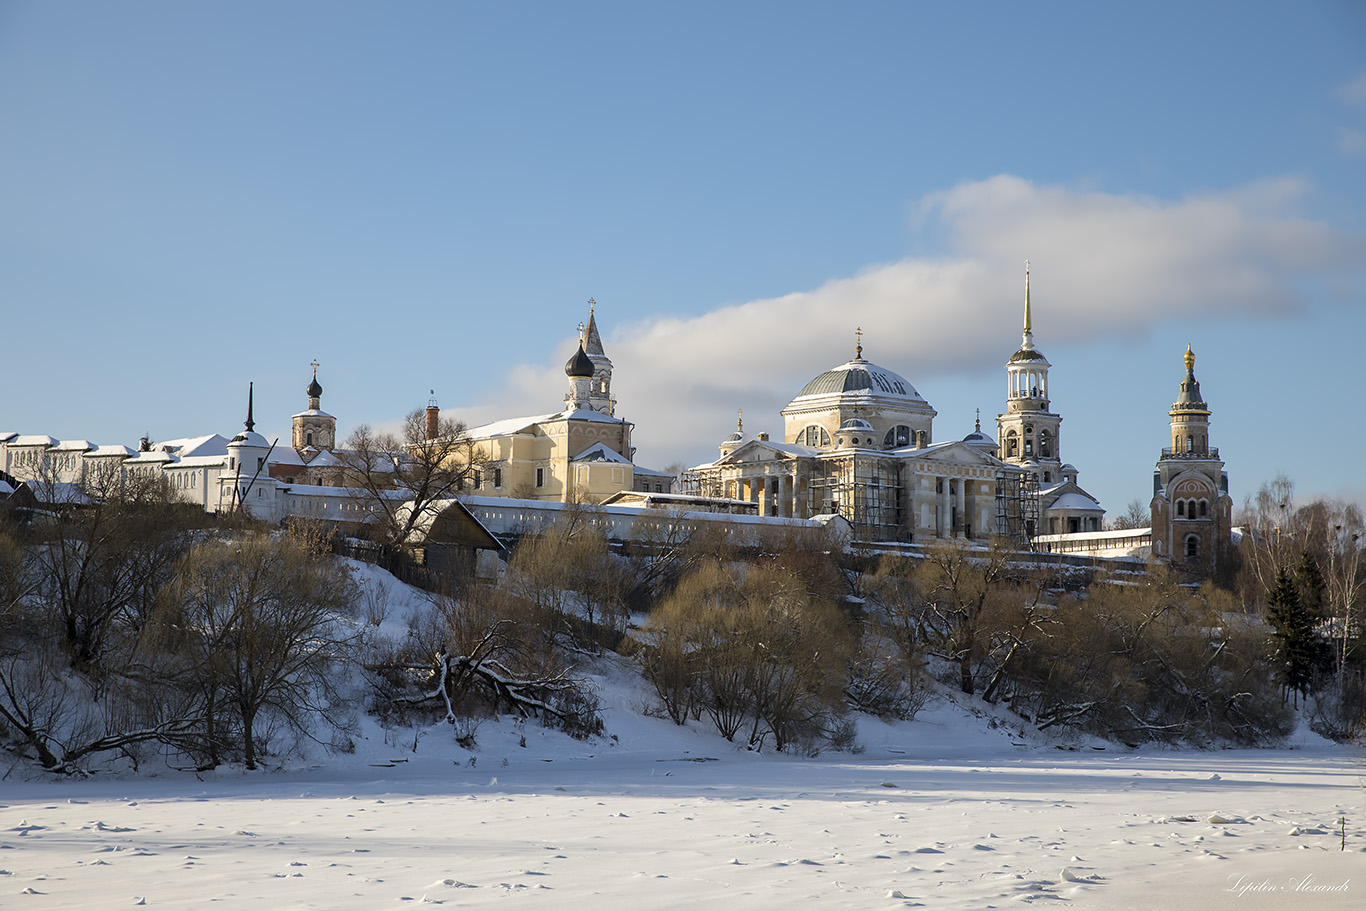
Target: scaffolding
(866, 491)
(1017, 506)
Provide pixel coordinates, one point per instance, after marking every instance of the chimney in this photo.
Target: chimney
(763, 438)
(433, 417)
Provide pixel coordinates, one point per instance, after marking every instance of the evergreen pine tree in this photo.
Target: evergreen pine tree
(1292, 633)
(1313, 591)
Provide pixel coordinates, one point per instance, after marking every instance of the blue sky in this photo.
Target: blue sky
(424, 195)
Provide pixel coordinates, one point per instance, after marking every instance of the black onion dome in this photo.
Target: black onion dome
(315, 389)
(580, 364)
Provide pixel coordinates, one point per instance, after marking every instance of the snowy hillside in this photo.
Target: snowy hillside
(959, 808)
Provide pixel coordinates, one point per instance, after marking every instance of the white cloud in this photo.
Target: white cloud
(1354, 92)
(1102, 264)
(1351, 142)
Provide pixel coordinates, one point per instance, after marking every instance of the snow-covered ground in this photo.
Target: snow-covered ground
(943, 812)
(953, 810)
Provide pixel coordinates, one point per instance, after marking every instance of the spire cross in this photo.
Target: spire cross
(858, 347)
(979, 420)
(314, 365)
(592, 304)
(740, 419)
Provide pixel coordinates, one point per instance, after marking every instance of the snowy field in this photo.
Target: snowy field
(943, 812)
(954, 810)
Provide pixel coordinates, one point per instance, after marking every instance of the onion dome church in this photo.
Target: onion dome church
(582, 453)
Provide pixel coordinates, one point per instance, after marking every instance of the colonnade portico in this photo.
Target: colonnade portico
(773, 494)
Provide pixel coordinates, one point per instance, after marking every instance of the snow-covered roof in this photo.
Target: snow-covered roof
(73, 446)
(199, 462)
(7, 435)
(59, 492)
(507, 426)
(313, 413)
(117, 450)
(32, 439)
(1076, 501)
(286, 455)
(250, 438)
(599, 452)
(156, 456)
(650, 472)
(587, 414)
(325, 459)
(211, 445)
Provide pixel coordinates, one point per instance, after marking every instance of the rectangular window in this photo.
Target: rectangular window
(497, 477)
(540, 477)
(478, 479)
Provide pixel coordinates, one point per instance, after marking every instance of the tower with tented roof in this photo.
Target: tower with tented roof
(1191, 507)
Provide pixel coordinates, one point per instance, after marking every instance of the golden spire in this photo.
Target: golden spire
(1190, 359)
(858, 346)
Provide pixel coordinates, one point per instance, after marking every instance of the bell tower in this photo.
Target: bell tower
(1191, 507)
(314, 428)
(600, 393)
(1028, 432)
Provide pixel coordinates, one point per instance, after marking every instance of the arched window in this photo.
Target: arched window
(899, 435)
(309, 439)
(1012, 444)
(1204, 505)
(814, 435)
(1181, 508)
(1192, 546)
(1045, 445)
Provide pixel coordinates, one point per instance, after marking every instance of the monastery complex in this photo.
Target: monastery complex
(858, 447)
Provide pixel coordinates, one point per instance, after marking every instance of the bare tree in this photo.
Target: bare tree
(481, 656)
(109, 544)
(406, 478)
(263, 620)
(1136, 515)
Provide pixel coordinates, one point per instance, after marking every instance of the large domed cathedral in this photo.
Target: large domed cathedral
(858, 441)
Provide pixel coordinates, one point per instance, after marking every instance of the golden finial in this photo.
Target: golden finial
(315, 368)
(858, 347)
(740, 420)
(581, 329)
(1190, 359)
(979, 420)
(591, 305)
